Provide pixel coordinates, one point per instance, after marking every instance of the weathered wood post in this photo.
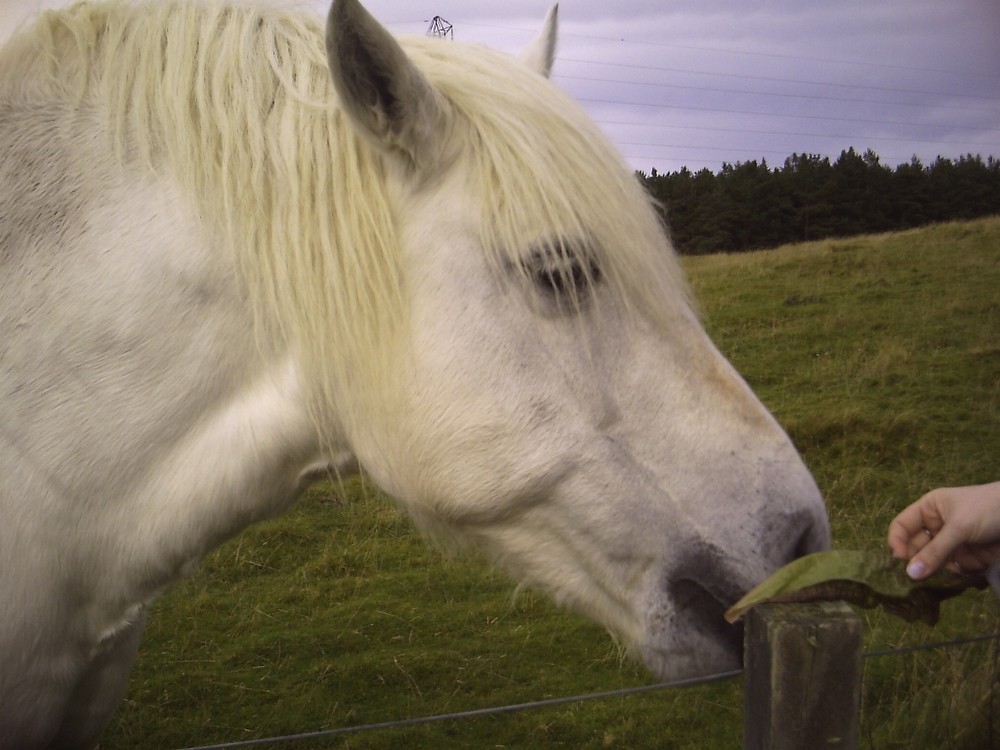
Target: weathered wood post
(802, 677)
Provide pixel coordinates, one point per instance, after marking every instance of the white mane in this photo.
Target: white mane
(236, 102)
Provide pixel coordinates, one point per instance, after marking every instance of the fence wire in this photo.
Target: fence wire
(527, 706)
(474, 713)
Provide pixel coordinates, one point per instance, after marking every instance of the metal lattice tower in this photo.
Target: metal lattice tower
(440, 28)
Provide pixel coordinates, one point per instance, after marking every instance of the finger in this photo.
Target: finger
(906, 547)
(933, 555)
(911, 523)
(901, 539)
(918, 542)
(975, 558)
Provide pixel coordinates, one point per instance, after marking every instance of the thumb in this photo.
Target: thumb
(934, 554)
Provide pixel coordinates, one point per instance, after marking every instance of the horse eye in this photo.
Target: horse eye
(562, 274)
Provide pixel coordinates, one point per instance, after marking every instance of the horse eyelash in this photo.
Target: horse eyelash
(560, 272)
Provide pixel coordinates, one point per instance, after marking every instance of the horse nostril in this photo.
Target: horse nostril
(803, 547)
(695, 603)
(814, 538)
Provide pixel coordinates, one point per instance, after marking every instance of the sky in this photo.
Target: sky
(697, 83)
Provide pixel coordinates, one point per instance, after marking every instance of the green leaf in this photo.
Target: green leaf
(866, 579)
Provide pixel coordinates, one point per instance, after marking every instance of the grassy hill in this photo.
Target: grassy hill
(881, 356)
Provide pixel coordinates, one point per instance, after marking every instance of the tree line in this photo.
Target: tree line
(749, 205)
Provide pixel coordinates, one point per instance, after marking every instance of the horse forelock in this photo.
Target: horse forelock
(236, 103)
(544, 174)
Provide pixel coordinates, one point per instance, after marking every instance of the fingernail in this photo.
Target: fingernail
(916, 569)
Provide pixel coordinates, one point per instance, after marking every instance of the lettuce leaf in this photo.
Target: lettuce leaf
(866, 579)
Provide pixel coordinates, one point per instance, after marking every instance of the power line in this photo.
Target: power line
(783, 94)
(748, 53)
(803, 58)
(748, 131)
(864, 96)
(762, 152)
(717, 110)
(772, 79)
(973, 143)
(684, 160)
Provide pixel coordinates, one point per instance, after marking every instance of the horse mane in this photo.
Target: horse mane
(236, 103)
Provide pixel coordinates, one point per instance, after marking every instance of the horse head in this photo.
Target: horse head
(554, 399)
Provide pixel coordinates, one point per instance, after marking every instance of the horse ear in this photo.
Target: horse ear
(540, 54)
(386, 97)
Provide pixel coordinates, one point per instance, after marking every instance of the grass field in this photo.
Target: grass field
(880, 355)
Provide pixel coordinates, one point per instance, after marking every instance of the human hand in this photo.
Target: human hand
(954, 527)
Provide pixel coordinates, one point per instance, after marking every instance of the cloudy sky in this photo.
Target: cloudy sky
(700, 82)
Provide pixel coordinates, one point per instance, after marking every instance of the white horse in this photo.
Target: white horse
(230, 257)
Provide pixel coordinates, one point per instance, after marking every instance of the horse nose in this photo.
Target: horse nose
(708, 578)
(702, 577)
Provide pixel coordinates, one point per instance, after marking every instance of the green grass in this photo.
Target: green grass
(881, 356)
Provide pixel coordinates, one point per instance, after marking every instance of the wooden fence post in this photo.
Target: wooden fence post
(802, 677)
